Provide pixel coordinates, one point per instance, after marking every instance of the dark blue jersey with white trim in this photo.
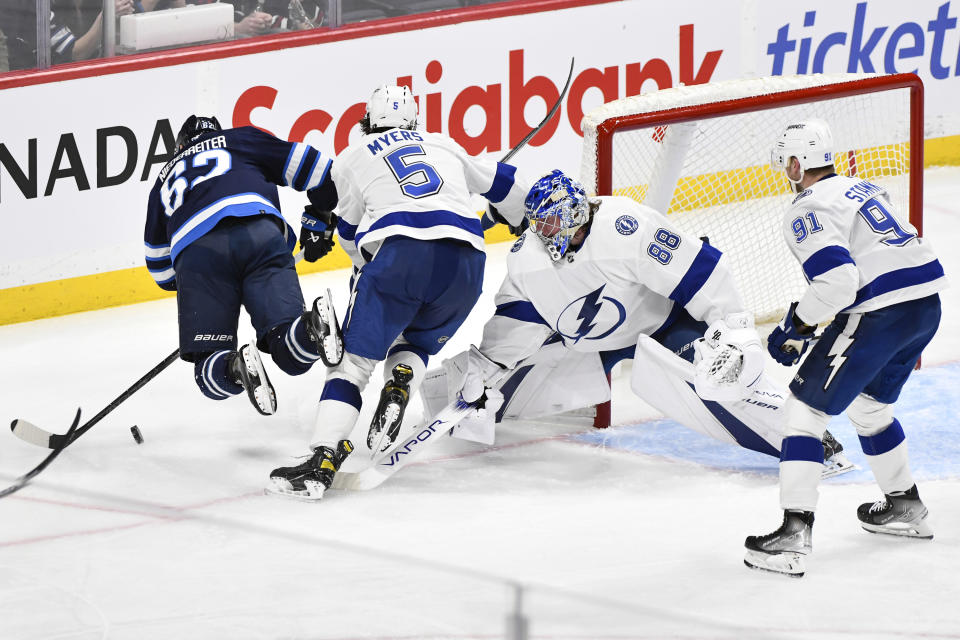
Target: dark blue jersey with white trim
(229, 173)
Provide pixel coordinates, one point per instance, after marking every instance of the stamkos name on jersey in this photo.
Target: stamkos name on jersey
(390, 137)
(219, 142)
(212, 337)
(862, 191)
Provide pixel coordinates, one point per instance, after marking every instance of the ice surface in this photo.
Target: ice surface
(636, 532)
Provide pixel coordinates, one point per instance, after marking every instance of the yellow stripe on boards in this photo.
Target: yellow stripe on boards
(129, 286)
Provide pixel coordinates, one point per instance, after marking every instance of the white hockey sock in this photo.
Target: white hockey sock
(887, 455)
(337, 414)
(799, 480)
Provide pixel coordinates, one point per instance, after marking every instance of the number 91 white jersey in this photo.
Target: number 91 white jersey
(856, 251)
(418, 184)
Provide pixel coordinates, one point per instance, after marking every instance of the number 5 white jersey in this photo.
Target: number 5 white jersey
(418, 184)
(856, 251)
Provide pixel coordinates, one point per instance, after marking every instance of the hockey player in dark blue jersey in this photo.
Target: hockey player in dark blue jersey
(214, 234)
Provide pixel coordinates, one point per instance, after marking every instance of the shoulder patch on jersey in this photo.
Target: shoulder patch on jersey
(518, 244)
(802, 194)
(626, 225)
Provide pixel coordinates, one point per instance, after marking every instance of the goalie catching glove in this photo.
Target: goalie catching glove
(790, 339)
(316, 232)
(729, 359)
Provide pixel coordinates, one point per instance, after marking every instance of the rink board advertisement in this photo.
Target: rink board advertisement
(79, 158)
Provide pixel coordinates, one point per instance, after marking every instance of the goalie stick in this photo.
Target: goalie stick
(400, 456)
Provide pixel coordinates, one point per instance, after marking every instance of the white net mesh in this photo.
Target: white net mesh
(712, 175)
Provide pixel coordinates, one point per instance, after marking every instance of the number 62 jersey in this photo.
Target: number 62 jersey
(228, 173)
(855, 251)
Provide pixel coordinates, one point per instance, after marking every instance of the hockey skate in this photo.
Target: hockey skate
(323, 328)
(247, 369)
(782, 551)
(898, 514)
(309, 480)
(835, 462)
(388, 417)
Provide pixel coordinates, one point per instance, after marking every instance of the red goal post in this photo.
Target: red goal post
(700, 154)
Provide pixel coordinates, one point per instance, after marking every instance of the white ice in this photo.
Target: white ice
(640, 537)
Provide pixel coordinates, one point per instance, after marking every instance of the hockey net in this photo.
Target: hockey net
(701, 155)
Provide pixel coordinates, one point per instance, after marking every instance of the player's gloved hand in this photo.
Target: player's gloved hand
(790, 339)
(729, 359)
(480, 426)
(316, 232)
(479, 370)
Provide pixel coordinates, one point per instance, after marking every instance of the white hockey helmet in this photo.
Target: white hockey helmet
(809, 141)
(391, 106)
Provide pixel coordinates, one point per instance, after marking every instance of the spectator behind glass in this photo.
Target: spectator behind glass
(86, 16)
(258, 17)
(20, 27)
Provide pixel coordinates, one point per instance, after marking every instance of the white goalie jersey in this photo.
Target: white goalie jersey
(417, 184)
(856, 252)
(632, 273)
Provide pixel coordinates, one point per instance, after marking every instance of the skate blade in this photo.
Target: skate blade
(263, 395)
(920, 530)
(838, 464)
(282, 487)
(332, 342)
(787, 563)
(384, 441)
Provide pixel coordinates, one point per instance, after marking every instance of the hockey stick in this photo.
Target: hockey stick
(486, 221)
(29, 432)
(545, 120)
(33, 434)
(400, 456)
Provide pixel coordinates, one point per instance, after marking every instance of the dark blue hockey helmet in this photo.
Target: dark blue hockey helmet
(195, 126)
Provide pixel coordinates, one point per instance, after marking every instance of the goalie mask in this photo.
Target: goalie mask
(194, 127)
(388, 107)
(810, 142)
(556, 207)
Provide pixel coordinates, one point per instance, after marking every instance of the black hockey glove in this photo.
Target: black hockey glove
(316, 232)
(497, 217)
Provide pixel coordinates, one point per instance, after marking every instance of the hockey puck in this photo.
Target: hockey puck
(136, 434)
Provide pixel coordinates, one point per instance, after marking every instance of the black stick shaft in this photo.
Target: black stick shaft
(136, 386)
(74, 432)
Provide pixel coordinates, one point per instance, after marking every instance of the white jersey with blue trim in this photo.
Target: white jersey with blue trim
(856, 250)
(632, 275)
(418, 184)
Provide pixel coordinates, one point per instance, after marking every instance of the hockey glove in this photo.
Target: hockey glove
(790, 339)
(316, 232)
(480, 369)
(729, 359)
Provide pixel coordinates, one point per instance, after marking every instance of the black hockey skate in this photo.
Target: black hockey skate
(388, 417)
(898, 514)
(782, 551)
(247, 370)
(310, 479)
(322, 327)
(835, 462)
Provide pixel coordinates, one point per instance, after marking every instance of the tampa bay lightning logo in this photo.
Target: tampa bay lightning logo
(591, 317)
(518, 244)
(627, 225)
